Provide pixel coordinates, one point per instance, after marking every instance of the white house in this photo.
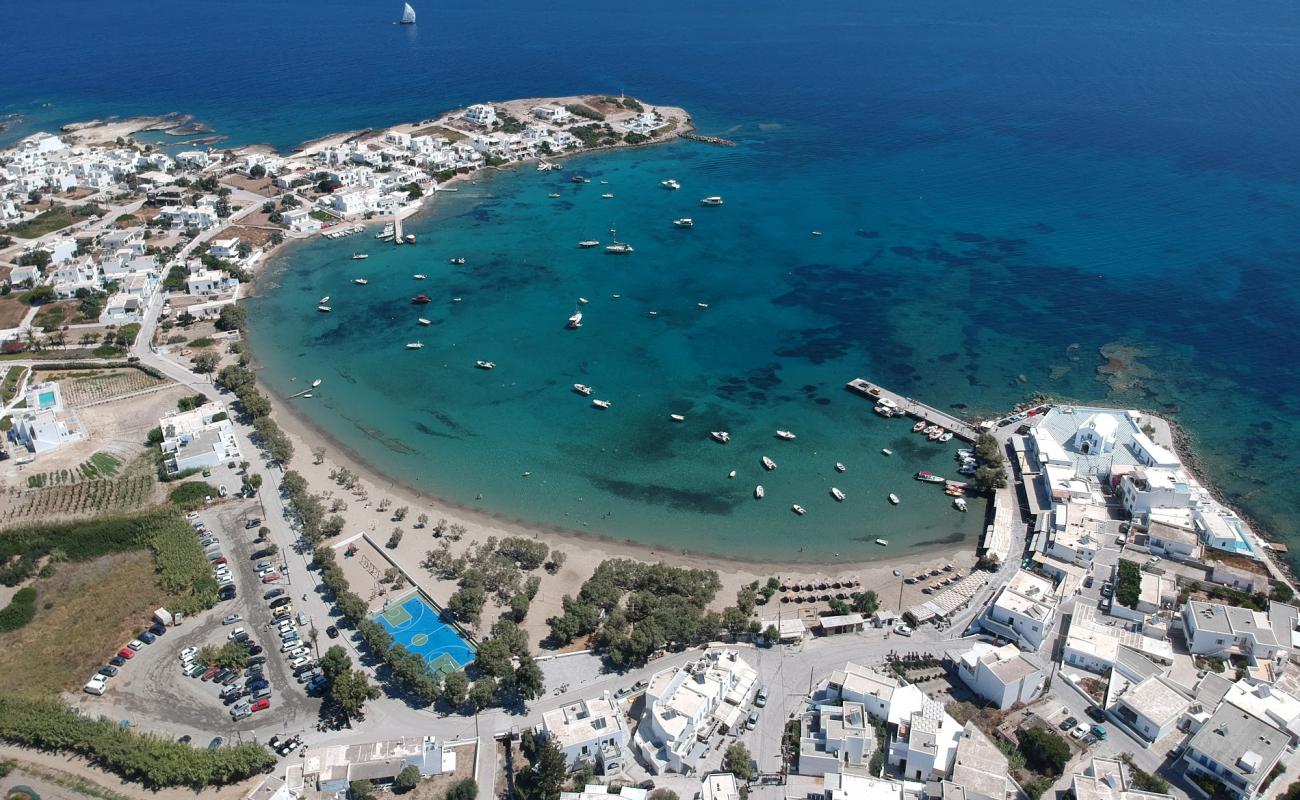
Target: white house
(1023, 611)
(1173, 540)
(590, 731)
(1221, 630)
(1151, 708)
(42, 426)
(210, 281)
(1001, 675)
(683, 704)
(330, 769)
(1076, 532)
(1107, 779)
(556, 115)
(300, 220)
(203, 437)
(832, 738)
(1148, 488)
(121, 308)
(1236, 748)
(224, 248)
(1097, 435)
(480, 114)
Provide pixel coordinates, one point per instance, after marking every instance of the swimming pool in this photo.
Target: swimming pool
(414, 623)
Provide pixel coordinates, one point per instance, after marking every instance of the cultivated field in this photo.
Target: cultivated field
(83, 387)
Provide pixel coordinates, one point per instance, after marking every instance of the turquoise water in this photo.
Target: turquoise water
(1005, 188)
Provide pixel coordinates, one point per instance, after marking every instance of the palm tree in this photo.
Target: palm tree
(87, 338)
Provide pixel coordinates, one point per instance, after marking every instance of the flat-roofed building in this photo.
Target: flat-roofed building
(1151, 708)
(858, 684)
(330, 769)
(980, 768)
(589, 731)
(1218, 629)
(1107, 779)
(832, 738)
(684, 704)
(1023, 611)
(1237, 749)
(1001, 675)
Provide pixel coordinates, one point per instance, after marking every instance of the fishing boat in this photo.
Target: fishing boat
(421, 299)
(886, 451)
(457, 261)
(947, 436)
(414, 345)
(386, 233)
(702, 306)
(360, 281)
(816, 233)
(963, 454)
(419, 276)
(926, 476)
(587, 244)
(959, 503)
(882, 542)
(579, 179)
(684, 222)
(618, 248)
(886, 402)
(671, 184)
(837, 494)
(967, 468)
(759, 492)
(408, 14)
(893, 498)
(554, 195)
(485, 364)
(582, 389)
(768, 464)
(676, 418)
(798, 509)
(839, 467)
(652, 313)
(787, 435)
(423, 321)
(721, 437)
(360, 256)
(324, 309)
(886, 411)
(582, 301)
(918, 427)
(607, 196)
(936, 434)
(410, 238)
(324, 300)
(601, 403)
(575, 321)
(714, 200)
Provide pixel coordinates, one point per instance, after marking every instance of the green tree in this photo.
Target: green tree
(335, 662)
(407, 779)
(483, 692)
(232, 317)
(455, 688)
(738, 762)
(988, 478)
(257, 171)
(529, 682)
(866, 603)
(361, 790)
(1045, 752)
(465, 789)
(206, 362)
(543, 778)
(350, 690)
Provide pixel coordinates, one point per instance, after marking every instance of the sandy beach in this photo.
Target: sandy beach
(583, 552)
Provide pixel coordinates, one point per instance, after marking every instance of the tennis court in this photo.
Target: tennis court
(414, 624)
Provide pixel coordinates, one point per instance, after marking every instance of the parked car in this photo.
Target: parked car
(258, 694)
(126, 653)
(332, 632)
(189, 652)
(276, 594)
(209, 673)
(1153, 561)
(1096, 714)
(271, 577)
(256, 660)
(1078, 731)
(147, 637)
(1068, 723)
(254, 684)
(299, 652)
(760, 699)
(260, 705)
(231, 619)
(252, 522)
(221, 560)
(96, 685)
(195, 670)
(108, 671)
(158, 629)
(117, 661)
(239, 712)
(236, 633)
(903, 630)
(318, 683)
(299, 662)
(308, 676)
(253, 649)
(215, 743)
(135, 644)
(186, 739)
(1099, 731)
(752, 722)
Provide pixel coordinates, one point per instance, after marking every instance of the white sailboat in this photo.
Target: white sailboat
(408, 14)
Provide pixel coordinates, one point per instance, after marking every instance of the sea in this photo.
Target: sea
(1094, 202)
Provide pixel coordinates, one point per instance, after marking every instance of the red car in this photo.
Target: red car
(260, 705)
(271, 577)
(221, 560)
(126, 653)
(207, 676)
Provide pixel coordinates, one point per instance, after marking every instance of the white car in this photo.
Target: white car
(96, 685)
(290, 645)
(1078, 731)
(237, 632)
(298, 652)
(298, 662)
(135, 644)
(903, 630)
(189, 653)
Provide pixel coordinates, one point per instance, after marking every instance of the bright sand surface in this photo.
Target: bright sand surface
(584, 553)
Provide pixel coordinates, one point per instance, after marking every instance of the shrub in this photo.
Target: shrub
(191, 495)
(1128, 585)
(1045, 752)
(20, 611)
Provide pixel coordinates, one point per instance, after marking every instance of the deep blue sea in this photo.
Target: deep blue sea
(1005, 191)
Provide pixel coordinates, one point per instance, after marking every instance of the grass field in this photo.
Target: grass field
(9, 386)
(43, 223)
(89, 616)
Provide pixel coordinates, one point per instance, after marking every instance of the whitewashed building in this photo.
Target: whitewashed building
(1002, 676)
(203, 437)
(589, 731)
(683, 705)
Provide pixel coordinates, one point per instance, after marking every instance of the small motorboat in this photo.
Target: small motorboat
(607, 196)
(601, 403)
(721, 437)
(619, 248)
(575, 321)
(839, 467)
(457, 261)
(882, 542)
(421, 300)
(886, 451)
(837, 494)
(893, 498)
(414, 345)
(360, 281)
(324, 300)
(676, 418)
(959, 503)
(926, 476)
(455, 299)
(579, 179)
(798, 509)
(963, 454)
(554, 195)
(615, 296)
(816, 233)
(485, 364)
(947, 436)
(423, 321)
(768, 464)
(918, 427)
(713, 200)
(652, 313)
(582, 389)
(702, 306)
(360, 256)
(684, 222)
(587, 244)
(731, 474)
(324, 309)
(936, 434)
(582, 301)
(758, 492)
(410, 238)
(671, 184)
(786, 435)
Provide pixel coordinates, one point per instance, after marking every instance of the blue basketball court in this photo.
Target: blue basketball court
(414, 623)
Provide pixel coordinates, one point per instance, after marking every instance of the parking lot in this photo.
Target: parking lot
(153, 684)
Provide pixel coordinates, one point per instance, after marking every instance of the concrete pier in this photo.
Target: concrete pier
(913, 409)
